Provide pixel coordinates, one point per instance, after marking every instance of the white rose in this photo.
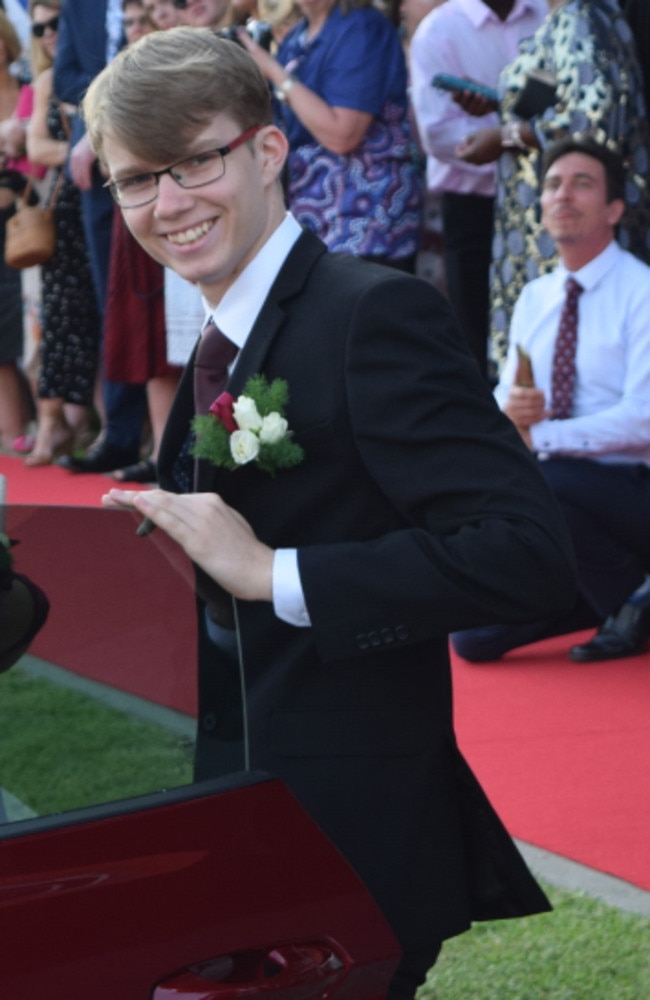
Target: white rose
(244, 446)
(246, 414)
(274, 428)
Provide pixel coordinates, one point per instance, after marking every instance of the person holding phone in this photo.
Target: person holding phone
(471, 39)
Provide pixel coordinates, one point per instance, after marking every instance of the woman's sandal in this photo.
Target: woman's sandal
(140, 472)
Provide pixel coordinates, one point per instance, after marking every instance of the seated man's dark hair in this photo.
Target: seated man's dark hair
(611, 161)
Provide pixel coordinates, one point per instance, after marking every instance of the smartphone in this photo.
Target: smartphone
(445, 81)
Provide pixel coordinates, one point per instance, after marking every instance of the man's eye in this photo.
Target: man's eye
(201, 160)
(135, 183)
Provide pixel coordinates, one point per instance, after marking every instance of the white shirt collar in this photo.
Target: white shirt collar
(478, 12)
(591, 273)
(241, 305)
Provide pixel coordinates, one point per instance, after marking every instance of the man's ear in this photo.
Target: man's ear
(615, 211)
(273, 148)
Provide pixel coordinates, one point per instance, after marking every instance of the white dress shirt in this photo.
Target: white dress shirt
(611, 421)
(465, 38)
(235, 316)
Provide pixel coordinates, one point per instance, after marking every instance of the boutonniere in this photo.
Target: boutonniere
(249, 429)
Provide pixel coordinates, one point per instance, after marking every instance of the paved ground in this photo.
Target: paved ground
(566, 874)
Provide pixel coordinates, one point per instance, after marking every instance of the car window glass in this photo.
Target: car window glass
(102, 705)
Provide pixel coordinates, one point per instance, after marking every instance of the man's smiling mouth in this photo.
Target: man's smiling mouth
(185, 236)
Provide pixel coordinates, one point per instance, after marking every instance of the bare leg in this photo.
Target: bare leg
(14, 404)
(53, 435)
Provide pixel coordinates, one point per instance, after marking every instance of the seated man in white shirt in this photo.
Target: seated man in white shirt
(587, 418)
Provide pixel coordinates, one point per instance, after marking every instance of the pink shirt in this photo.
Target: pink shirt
(23, 111)
(466, 38)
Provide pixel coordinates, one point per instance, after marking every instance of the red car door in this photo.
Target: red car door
(120, 879)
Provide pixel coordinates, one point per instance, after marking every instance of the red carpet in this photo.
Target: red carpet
(561, 748)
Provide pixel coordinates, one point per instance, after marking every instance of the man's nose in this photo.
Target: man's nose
(172, 198)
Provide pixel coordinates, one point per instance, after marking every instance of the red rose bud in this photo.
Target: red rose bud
(222, 410)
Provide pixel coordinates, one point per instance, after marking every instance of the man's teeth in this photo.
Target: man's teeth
(190, 235)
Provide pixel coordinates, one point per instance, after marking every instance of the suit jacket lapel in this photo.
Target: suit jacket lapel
(178, 425)
(289, 282)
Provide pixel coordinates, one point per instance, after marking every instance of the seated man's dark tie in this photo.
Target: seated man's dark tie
(563, 373)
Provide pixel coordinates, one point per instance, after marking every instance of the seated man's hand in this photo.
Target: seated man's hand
(525, 407)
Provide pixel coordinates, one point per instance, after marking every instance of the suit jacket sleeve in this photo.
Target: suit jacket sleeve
(478, 538)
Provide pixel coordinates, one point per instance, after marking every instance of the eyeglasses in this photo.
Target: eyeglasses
(142, 21)
(38, 30)
(194, 172)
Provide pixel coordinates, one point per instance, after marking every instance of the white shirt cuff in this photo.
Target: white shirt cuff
(288, 598)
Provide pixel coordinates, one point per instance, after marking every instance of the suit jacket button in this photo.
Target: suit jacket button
(401, 632)
(209, 722)
(362, 641)
(387, 636)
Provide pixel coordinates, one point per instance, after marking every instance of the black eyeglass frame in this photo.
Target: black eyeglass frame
(39, 29)
(223, 151)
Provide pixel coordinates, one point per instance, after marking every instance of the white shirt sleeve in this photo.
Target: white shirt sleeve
(288, 597)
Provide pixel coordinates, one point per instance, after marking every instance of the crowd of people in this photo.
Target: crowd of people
(93, 344)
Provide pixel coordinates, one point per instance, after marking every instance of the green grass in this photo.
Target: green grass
(583, 950)
(61, 749)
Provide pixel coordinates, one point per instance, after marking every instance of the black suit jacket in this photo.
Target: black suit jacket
(416, 511)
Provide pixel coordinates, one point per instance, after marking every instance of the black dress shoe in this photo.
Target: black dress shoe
(106, 458)
(622, 634)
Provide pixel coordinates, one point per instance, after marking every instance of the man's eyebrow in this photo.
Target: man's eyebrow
(579, 175)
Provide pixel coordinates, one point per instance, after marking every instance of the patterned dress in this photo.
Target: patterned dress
(588, 46)
(70, 319)
(367, 202)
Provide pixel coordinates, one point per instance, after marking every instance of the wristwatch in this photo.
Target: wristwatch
(283, 90)
(511, 137)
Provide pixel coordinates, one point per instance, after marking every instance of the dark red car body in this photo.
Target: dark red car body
(223, 890)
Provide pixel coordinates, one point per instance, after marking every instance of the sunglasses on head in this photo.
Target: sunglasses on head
(38, 30)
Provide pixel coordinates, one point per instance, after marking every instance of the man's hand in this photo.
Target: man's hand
(82, 160)
(213, 535)
(474, 104)
(480, 147)
(525, 407)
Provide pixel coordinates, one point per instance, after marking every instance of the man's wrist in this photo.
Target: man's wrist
(284, 88)
(511, 136)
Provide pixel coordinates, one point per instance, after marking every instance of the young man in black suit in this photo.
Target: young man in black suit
(415, 508)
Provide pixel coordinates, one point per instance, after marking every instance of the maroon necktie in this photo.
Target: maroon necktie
(563, 375)
(214, 353)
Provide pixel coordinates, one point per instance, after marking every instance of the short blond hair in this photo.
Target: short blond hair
(9, 36)
(157, 95)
